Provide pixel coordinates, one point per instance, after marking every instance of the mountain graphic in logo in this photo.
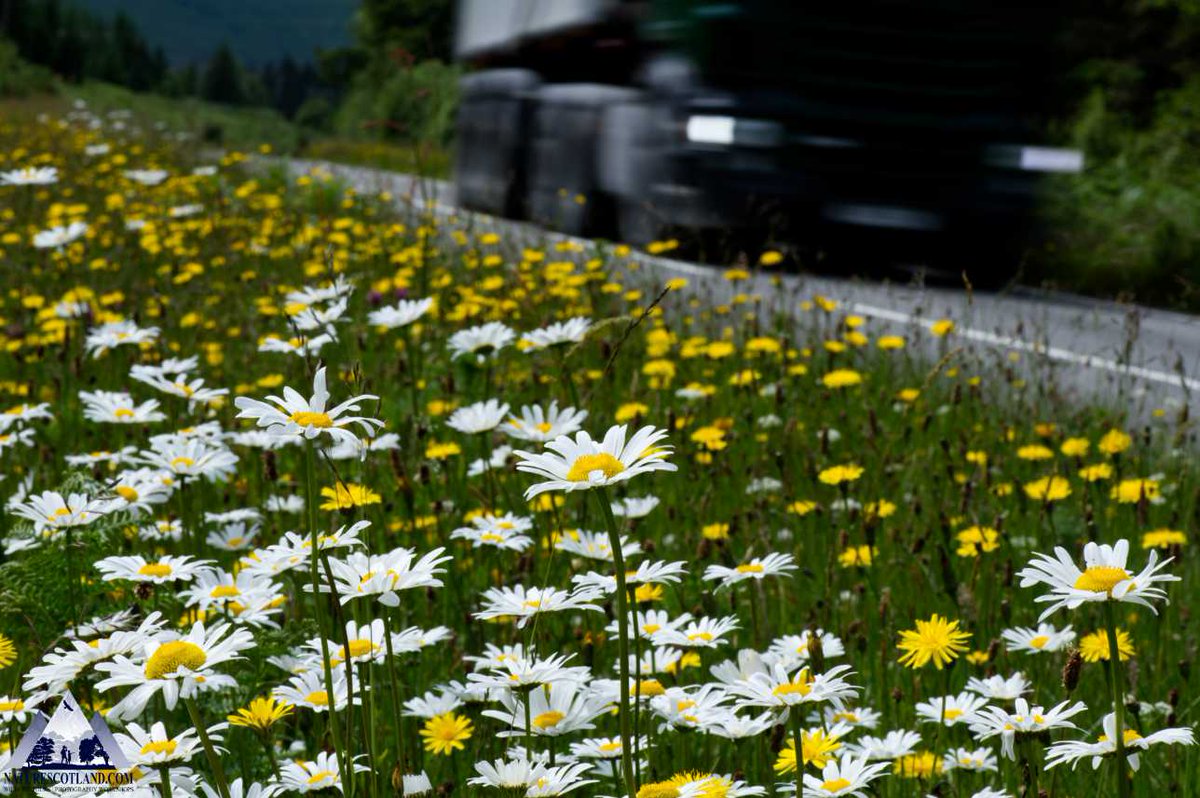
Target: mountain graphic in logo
(68, 741)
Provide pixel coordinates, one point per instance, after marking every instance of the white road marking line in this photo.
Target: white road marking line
(1056, 353)
(1050, 352)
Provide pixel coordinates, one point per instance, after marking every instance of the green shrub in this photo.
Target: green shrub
(19, 78)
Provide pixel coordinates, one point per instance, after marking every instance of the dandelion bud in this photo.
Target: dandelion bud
(270, 466)
(897, 695)
(1071, 671)
(1185, 669)
(1173, 697)
(144, 591)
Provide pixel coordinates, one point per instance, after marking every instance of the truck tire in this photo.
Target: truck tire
(564, 189)
(493, 119)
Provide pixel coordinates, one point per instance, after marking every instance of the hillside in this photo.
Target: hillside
(260, 31)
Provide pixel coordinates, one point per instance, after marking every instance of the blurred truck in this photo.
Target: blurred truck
(874, 120)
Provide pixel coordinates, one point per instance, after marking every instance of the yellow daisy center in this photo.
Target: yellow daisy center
(1039, 641)
(750, 568)
(171, 656)
(159, 747)
(318, 697)
(12, 706)
(358, 648)
(952, 713)
(544, 427)
(792, 688)
(833, 785)
(1101, 578)
(548, 720)
(320, 775)
(306, 418)
(588, 463)
(127, 493)
(123, 412)
(225, 591)
(182, 461)
(155, 569)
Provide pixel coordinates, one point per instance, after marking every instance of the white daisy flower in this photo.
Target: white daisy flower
(58, 237)
(542, 426)
(118, 407)
(305, 776)
(978, 760)
(1071, 751)
(177, 668)
(524, 603)
(117, 333)
(571, 331)
(999, 688)
(893, 745)
(136, 568)
(483, 341)
(29, 176)
(153, 747)
(296, 416)
(951, 710)
(402, 314)
(479, 417)
(594, 545)
(1046, 638)
(774, 564)
(634, 506)
(777, 689)
(993, 721)
(582, 463)
(1103, 578)
(848, 775)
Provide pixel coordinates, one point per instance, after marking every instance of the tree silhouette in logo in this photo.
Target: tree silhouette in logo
(92, 749)
(42, 753)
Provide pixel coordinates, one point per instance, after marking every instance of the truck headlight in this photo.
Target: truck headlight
(727, 130)
(1036, 159)
(710, 129)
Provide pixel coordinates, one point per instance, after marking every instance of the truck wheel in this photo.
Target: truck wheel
(493, 119)
(563, 189)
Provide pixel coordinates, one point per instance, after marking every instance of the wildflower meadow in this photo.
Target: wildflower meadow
(309, 490)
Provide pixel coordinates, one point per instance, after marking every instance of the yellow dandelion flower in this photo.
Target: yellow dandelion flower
(1114, 441)
(1094, 647)
(1132, 491)
(942, 327)
(8, 652)
(261, 714)
(836, 475)
(1096, 472)
(816, 749)
(841, 378)
(1163, 539)
(446, 733)
(938, 640)
(346, 495)
(1048, 489)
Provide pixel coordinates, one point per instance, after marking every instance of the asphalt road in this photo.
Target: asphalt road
(1126, 357)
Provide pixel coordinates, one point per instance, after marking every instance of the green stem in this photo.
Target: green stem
(214, 761)
(1118, 699)
(394, 689)
(614, 539)
(310, 498)
(794, 717)
(164, 784)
